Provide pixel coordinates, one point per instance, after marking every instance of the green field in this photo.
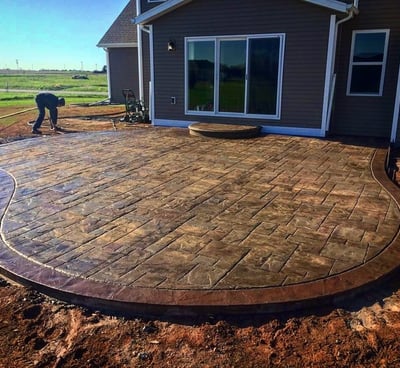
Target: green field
(75, 91)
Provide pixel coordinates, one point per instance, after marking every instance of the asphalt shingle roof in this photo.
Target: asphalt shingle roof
(122, 32)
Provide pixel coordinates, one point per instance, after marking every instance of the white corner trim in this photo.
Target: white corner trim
(396, 116)
(331, 4)
(330, 62)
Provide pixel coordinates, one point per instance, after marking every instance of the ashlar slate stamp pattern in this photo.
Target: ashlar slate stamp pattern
(158, 208)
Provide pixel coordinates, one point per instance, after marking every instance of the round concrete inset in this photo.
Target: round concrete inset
(230, 131)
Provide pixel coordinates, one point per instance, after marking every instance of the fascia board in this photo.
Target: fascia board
(171, 5)
(331, 4)
(117, 45)
(159, 11)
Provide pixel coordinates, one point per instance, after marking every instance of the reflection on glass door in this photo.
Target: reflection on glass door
(201, 57)
(263, 75)
(232, 76)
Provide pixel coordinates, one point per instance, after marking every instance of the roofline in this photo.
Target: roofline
(171, 5)
(159, 11)
(117, 45)
(332, 4)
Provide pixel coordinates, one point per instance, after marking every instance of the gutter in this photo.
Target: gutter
(337, 5)
(117, 45)
(353, 10)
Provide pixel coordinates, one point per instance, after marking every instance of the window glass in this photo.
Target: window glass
(264, 71)
(201, 55)
(369, 47)
(232, 75)
(366, 79)
(367, 66)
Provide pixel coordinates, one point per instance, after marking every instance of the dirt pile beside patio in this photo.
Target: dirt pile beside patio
(39, 332)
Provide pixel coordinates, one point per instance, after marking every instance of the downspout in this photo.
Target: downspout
(332, 82)
(151, 87)
(140, 52)
(149, 31)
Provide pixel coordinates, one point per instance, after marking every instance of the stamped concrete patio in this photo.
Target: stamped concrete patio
(156, 221)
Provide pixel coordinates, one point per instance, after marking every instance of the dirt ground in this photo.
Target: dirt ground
(72, 119)
(36, 331)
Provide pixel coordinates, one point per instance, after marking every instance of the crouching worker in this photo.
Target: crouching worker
(51, 102)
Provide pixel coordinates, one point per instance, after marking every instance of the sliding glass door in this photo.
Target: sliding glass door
(234, 76)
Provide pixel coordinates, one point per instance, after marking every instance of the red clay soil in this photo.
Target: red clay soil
(36, 331)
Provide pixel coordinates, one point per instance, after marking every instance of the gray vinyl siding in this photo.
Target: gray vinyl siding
(306, 28)
(145, 5)
(123, 64)
(368, 116)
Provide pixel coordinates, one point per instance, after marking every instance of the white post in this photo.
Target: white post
(395, 122)
(330, 65)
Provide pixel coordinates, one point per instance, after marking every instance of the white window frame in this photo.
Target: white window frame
(381, 63)
(216, 40)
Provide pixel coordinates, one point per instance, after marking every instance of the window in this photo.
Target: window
(234, 76)
(201, 75)
(367, 63)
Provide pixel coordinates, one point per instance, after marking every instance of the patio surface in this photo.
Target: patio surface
(157, 221)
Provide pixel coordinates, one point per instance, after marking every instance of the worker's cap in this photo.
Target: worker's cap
(61, 101)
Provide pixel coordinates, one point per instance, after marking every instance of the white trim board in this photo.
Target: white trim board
(117, 45)
(331, 4)
(265, 129)
(171, 5)
(396, 113)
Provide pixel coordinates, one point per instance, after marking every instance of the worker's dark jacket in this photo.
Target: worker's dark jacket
(43, 101)
(47, 100)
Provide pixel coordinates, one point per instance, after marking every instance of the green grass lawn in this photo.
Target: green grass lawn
(22, 99)
(57, 81)
(60, 82)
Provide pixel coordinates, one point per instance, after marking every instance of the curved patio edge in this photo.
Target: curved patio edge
(155, 302)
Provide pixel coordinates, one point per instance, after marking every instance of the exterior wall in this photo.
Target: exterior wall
(306, 28)
(146, 5)
(398, 137)
(359, 115)
(123, 64)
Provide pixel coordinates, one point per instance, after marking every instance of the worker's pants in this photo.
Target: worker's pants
(42, 104)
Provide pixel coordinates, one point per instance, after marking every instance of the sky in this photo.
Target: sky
(55, 34)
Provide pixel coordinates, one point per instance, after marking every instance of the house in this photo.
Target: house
(299, 67)
(120, 44)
